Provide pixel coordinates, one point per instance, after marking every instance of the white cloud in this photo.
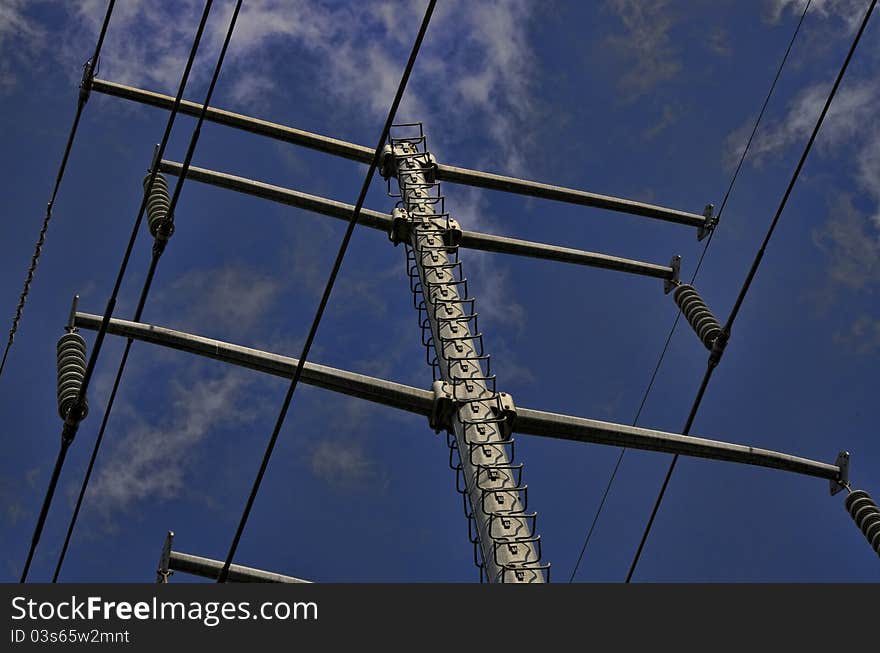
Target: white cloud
(862, 337)
(21, 40)
(645, 45)
(852, 252)
(343, 464)
(850, 132)
(473, 75)
(228, 297)
(849, 11)
(152, 458)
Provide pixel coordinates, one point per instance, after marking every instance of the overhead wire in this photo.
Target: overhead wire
(89, 70)
(158, 249)
(725, 335)
(675, 322)
(343, 247)
(71, 425)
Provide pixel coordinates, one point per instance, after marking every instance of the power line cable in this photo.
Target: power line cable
(71, 423)
(328, 289)
(725, 334)
(158, 249)
(650, 385)
(88, 74)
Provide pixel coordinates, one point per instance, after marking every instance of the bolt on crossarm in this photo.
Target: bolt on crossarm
(480, 418)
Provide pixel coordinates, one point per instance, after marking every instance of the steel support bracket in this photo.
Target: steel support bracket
(843, 481)
(451, 231)
(711, 222)
(401, 226)
(506, 410)
(154, 162)
(387, 163)
(443, 407)
(163, 571)
(429, 167)
(670, 284)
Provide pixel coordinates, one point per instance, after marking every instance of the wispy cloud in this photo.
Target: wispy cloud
(644, 46)
(344, 465)
(851, 247)
(233, 296)
(21, 39)
(152, 458)
(339, 454)
(476, 66)
(719, 42)
(850, 133)
(850, 250)
(863, 336)
(670, 114)
(848, 11)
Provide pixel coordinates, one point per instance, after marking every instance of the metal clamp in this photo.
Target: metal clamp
(505, 409)
(445, 404)
(387, 162)
(163, 571)
(401, 226)
(429, 167)
(85, 86)
(711, 222)
(442, 409)
(670, 284)
(841, 482)
(718, 346)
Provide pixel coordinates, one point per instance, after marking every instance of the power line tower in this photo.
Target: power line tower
(463, 399)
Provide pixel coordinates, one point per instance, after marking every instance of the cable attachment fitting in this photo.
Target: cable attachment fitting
(711, 222)
(71, 351)
(842, 481)
(159, 220)
(163, 572)
(387, 162)
(85, 86)
(717, 349)
(866, 515)
(670, 284)
(695, 311)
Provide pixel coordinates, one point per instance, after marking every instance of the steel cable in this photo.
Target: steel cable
(713, 361)
(88, 73)
(160, 214)
(665, 348)
(70, 427)
(327, 290)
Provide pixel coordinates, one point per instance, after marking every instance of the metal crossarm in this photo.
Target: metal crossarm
(171, 561)
(451, 174)
(430, 404)
(383, 222)
(566, 427)
(370, 388)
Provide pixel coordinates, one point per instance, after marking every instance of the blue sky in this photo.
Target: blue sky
(645, 100)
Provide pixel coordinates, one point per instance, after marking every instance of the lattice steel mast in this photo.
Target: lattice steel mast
(480, 417)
